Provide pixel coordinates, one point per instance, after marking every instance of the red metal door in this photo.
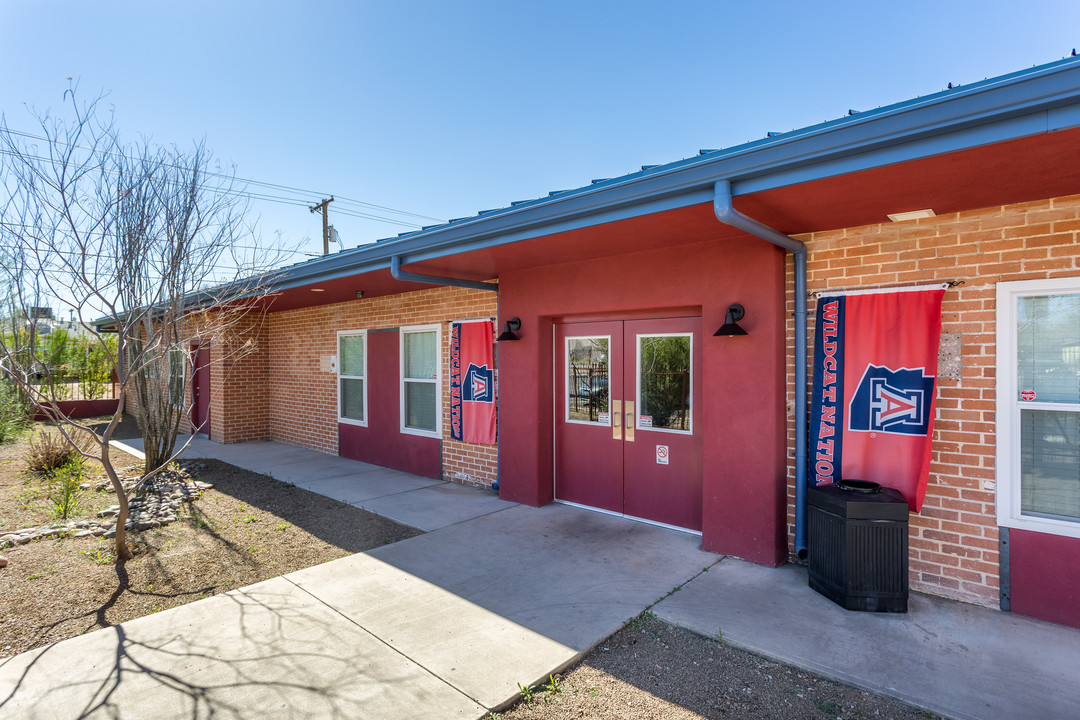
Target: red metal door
(200, 390)
(588, 429)
(662, 461)
(627, 433)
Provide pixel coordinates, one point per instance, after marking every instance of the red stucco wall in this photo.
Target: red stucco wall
(743, 378)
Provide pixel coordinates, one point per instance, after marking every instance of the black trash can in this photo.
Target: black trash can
(857, 542)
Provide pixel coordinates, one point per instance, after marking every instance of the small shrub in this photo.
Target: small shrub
(64, 488)
(50, 451)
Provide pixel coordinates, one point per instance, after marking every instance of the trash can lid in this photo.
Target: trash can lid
(885, 504)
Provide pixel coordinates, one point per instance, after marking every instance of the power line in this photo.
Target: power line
(248, 181)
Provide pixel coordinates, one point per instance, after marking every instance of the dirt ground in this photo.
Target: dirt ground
(250, 527)
(246, 529)
(651, 670)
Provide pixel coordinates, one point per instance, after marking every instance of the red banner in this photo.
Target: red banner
(472, 382)
(875, 372)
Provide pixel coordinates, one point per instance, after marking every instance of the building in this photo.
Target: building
(629, 277)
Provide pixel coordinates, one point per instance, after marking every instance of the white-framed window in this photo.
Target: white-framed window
(421, 409)
(1038, 405)
(352, 377)
(177, 376)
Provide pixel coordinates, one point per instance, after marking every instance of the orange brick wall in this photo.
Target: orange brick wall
(954, 540)
(302, 389)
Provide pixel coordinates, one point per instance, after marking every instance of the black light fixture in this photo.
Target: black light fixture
(508, 330)
(730, 328)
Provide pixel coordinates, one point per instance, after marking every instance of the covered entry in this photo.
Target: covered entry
(628, 431)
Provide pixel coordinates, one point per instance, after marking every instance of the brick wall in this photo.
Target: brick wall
(302, 388)
(954, 540)
(239, 387)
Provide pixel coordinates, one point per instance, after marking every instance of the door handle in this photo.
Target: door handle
(629, 421)
(616, 419)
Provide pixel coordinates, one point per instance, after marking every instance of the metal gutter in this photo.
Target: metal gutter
(399, 274)
(727, 214)
(1030, 102)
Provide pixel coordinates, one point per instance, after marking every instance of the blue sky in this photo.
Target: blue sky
(446, 108)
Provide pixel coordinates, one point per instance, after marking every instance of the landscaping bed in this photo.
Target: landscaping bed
(651, 670)
(244, 529)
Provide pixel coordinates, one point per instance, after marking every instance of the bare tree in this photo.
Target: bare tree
(145, 241)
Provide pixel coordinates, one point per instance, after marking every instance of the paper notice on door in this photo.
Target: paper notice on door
(645, 421)
(661, 454)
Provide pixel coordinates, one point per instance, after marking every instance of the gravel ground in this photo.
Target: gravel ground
(246, 529)
(651, 670)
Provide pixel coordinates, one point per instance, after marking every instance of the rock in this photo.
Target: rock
(83, 533)
(23, 539)
(3, 561)
(109, 512)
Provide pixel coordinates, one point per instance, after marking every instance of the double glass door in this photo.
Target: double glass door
(627, 429)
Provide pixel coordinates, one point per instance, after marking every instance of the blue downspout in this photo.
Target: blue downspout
(403, 275)
(398, 274)
(727, 214)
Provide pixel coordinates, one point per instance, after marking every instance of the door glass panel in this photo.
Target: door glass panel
(664, 382)
(587, 365)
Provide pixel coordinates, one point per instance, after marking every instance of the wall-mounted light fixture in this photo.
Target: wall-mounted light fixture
(359, 294)
(508, 330)
(731, 327)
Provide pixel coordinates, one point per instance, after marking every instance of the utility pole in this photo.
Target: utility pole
(321, 208)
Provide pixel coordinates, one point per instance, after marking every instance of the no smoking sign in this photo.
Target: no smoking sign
(661, 454)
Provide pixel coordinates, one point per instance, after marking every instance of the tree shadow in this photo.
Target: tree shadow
(347, 527)
(269, 649)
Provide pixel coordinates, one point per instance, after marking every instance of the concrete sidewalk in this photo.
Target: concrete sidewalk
(442, 625)
(448, 623)
(955, 659)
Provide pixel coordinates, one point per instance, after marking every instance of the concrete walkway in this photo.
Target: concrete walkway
(446, 624)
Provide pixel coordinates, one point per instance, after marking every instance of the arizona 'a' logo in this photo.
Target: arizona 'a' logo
(892, 401)
(478, 385)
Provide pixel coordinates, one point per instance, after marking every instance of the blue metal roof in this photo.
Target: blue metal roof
(1027, 102)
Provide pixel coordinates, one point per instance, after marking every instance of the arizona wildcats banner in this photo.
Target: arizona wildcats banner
(472, 382)
(875, 367)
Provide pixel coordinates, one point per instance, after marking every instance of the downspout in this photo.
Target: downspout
(727, 214)
(399, 274)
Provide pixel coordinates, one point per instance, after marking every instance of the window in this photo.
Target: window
(420, 408)
(352, 377)
(176, 377)
(1038, 405)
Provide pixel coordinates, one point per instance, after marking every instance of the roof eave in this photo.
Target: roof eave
(1039, 100)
